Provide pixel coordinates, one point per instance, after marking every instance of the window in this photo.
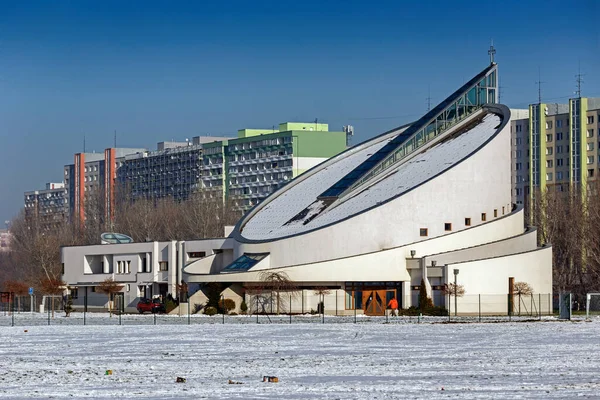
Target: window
(558, 125)
(548, 124)
(590, 173)
(559, 176)
(559, 135)
(495, 213)
(197, 254)
(127, 287)
(559, 149)
(467, 221)
(549, 137)
(502, 210)
(590, 133)
(549, 151)
(483, 216)
(559, 162)
(549, 176)
(549, 163)
(93, 289)
(447, 226)
(145, 265)
(590, 160)
(128, 267)
(62, 268)
(423, 232)
(590, 119)
(74, 293)
(519, 166)
(163, 266)
(590, 146)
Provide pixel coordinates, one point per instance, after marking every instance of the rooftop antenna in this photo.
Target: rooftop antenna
(115, 139)
(539, 83)
(500, 88)
(579, 80)
(428, 98)
(84, 143)
(492, 52)
(316, 122)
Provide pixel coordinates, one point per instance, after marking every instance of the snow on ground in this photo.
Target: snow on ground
(545, 359)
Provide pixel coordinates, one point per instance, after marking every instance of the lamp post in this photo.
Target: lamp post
(455, 291)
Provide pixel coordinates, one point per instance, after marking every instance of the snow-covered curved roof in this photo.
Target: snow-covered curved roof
(295, 208)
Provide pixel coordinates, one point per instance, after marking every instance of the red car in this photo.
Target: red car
(154, 306)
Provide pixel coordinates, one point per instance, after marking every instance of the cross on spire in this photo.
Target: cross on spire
(492, 52)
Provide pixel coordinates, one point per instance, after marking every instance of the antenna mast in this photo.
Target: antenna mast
(539, 83)
(579, 80)
(115, 139)
(428, 98)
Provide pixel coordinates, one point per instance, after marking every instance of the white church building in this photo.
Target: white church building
(430, 201)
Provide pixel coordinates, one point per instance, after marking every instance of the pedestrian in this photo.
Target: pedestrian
(393, 305)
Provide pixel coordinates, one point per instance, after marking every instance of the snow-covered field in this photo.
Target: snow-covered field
(547, 359)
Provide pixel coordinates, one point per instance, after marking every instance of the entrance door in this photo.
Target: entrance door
(374, 302)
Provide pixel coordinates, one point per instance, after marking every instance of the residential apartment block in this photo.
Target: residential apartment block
(89, 173)
(48, 206)
(5, 237)
(259, 162)
(555, 147)
(174, 169)
(244, 170)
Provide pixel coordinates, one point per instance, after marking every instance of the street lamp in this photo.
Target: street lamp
(455, 291)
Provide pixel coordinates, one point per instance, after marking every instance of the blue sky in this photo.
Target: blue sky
(157, 71)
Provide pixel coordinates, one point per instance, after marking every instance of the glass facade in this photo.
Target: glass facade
(480, 90)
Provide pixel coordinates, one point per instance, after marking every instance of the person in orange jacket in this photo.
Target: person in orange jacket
(393, 305)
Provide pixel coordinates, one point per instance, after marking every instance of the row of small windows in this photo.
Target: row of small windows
(261, 166)
(448, 225)
(261, 154)
(259, 143)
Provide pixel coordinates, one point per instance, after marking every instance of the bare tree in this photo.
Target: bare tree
(522, 289)
(277, 283)
(109, 287)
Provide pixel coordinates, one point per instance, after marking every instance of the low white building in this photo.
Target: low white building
(143, 270)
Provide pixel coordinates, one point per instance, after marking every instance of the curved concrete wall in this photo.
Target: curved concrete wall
(469, 189)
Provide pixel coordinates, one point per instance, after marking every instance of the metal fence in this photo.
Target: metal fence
(282, 308)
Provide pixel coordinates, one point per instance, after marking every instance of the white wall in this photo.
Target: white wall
(466, 190)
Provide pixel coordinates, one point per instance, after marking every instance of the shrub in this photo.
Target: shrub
(244, 307)
(210, 311)
(226, 305)
(68, 306)
(170, 305)
(425, 302)
(197, 308)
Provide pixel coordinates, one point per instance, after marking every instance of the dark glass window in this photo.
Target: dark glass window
(423, 232)
(245, 262)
